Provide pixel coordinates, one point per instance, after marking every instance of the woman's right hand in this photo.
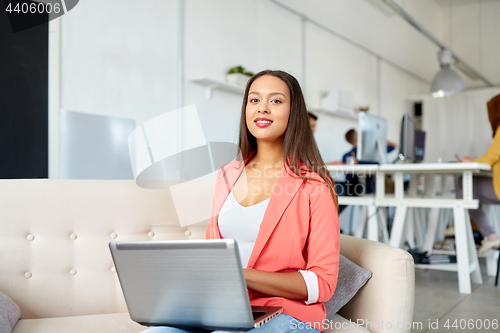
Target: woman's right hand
(466, 159)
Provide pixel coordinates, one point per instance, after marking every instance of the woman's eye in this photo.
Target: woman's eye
(276, 101)
(253, 100)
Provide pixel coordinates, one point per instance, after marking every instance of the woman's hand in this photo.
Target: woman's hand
(466, 159)
(289, 285)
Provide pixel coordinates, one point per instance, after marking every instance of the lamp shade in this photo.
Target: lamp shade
(446, 83)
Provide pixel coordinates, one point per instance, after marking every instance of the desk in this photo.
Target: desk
(467, 262)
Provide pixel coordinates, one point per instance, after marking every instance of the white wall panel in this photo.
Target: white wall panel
(118, 58)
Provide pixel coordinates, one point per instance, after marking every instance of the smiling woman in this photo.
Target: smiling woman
(278, 203)
(293, 259)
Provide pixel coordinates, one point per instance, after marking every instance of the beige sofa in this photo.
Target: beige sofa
(55, 262)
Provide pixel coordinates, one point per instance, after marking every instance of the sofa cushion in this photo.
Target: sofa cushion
(109, 323)
(9, 313)
(351, 278)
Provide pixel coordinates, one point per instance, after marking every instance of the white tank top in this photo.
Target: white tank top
(241, 224)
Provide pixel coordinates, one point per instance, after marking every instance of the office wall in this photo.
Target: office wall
(222, 34)
(371, 70)
(120, 60)
(472, 30)
(395, 87)
(389, 36)
(457, 125)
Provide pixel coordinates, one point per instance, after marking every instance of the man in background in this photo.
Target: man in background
(351, 136)
(312, 121)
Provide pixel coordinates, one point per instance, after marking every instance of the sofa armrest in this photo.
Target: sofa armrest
(389, 295)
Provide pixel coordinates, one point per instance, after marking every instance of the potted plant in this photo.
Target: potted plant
(238, 75)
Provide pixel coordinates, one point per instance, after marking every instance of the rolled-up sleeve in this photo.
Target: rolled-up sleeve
(311, 281)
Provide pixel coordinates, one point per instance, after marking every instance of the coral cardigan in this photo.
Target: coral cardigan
(300, 231)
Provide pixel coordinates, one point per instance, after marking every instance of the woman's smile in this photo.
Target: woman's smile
(263, 122)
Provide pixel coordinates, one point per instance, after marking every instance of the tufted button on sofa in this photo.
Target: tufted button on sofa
(56, 265)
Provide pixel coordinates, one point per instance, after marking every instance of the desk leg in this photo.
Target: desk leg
(464, 283)
(398, 225)
(476, 274)
(420, 224)
(410, 227)
(372, 223)
(467, 186)
(398, 185)
(431, 230)
(466, 250)
(380, 185)
(383, 225)
(360, 227)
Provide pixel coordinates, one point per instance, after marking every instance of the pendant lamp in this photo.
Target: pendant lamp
(446, 82)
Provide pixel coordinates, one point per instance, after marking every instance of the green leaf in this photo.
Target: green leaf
(239, 69)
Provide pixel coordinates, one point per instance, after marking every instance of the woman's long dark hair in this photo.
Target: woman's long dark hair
(494, 113)
(299, 144)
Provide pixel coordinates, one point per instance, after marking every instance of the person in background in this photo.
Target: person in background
(351, 136)
(486, 190)
(312, 121)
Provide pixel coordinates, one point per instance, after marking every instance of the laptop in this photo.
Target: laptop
(187, 283)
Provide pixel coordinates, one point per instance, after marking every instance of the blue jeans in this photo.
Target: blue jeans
(281, 324)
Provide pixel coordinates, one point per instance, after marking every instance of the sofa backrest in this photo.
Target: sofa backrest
(54, 235)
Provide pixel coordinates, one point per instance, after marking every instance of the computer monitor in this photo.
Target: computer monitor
(407, 140)
(419, 145)
(372, 142)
